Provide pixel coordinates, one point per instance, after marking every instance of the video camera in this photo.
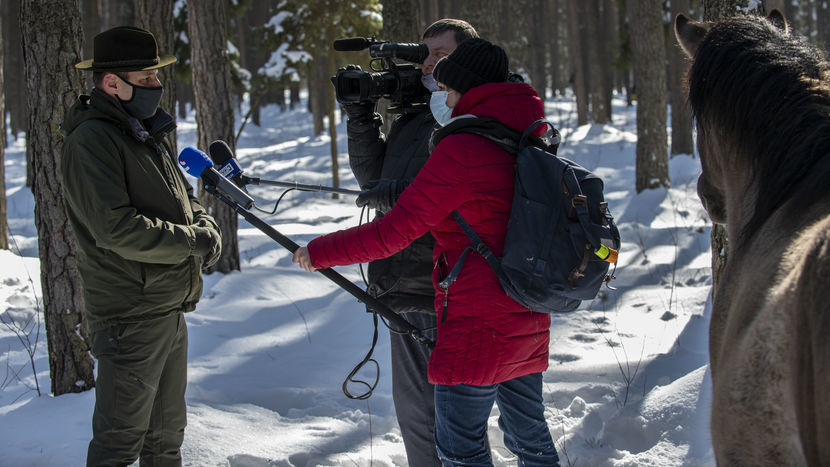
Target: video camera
(401, 84)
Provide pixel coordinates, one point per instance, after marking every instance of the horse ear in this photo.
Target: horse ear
(777, 19)
(689, 33)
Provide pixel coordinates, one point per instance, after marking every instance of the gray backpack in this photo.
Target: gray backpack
(561, 238)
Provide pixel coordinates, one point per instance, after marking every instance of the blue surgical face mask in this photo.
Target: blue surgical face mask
(429, 82)
(440, 110)
(145, 101)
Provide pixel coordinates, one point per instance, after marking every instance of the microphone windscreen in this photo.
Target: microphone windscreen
(351, 44)
(220, 152)
(194, 161)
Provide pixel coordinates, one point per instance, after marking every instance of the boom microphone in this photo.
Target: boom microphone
(222, 157)
(198, 164)
(351, 44)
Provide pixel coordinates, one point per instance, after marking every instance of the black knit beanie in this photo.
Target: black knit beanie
(474, 62)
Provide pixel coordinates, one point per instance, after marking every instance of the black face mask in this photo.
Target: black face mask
(145, 101)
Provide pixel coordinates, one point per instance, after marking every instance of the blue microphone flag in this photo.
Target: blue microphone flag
(194, 161)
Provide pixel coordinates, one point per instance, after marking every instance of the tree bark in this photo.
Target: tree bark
(117, 13)
(554, 19)
(823, 25)
(156, 16)
(4, 220)
(600, 113)
(480, 14)
(399, 20)
(714, 10)
(214, 108)
(52, 45)
(681, 118)
(317, 92)
(611, 39)
(335, 166)
(649, 56)
(15, 87)
(430, 13)
(575, 57)
(91, 14)
(538, 50)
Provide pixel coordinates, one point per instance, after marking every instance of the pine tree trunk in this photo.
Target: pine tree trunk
(554, 20)
(4, 220)
(714, 10)
(611, 39)
(681, 118)
(538, 49)
(398, 27)
(823, 25)
(15, 87)
(399, 23)
(596, 58)
(91, 14)
(649, 56)
(317, 92)
(156, 16)
(214, 109)
(52, 45)
(293, 94)
(575, 57)
(480, 15)
(335, 166)
(429, 13)
(117, 13)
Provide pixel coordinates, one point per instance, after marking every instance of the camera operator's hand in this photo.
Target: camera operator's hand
(359, 110)
(380, 194)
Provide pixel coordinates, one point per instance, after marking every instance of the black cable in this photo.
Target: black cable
(275, 204)
(368, 358)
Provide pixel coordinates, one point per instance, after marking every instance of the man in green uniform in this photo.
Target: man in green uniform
(142, 240)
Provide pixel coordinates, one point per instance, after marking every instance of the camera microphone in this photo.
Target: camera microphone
(351, 44)
(198, 164)
(222, 157)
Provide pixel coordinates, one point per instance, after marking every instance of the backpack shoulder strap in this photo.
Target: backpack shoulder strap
(478, 246)
(490, 128)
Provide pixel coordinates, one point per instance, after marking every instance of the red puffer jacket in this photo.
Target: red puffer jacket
(484, 337)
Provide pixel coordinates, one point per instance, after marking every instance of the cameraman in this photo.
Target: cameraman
(384, 165)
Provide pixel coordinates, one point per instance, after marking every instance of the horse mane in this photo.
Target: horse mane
(767, 92)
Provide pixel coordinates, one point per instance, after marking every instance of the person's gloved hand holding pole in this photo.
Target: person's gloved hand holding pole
(380, 194)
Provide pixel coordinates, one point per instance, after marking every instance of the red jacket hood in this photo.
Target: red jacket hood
(515, 104)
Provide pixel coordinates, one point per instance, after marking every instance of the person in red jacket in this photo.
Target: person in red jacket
(489, 348)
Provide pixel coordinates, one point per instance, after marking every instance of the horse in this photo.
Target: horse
(760, 97)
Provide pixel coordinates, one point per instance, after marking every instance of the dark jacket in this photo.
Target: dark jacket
(139, 228)
(484, 337)
(402, 281)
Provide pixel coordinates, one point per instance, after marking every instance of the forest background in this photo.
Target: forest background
(260, 53)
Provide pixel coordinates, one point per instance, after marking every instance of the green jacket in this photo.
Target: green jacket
(140, 230)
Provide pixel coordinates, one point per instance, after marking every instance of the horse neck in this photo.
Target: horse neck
(740, 196)
(778, 231)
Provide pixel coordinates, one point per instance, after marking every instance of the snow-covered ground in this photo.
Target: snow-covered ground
(270, 345)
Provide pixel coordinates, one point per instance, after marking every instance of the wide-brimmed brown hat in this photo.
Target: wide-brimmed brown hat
(125, 48)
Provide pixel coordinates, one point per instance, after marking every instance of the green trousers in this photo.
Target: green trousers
(140, 409)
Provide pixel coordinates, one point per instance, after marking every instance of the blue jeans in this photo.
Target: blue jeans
(461, 413)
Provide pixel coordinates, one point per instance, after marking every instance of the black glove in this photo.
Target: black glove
(208, 243)
(215, 250)
(380, 194)
(359, 111)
